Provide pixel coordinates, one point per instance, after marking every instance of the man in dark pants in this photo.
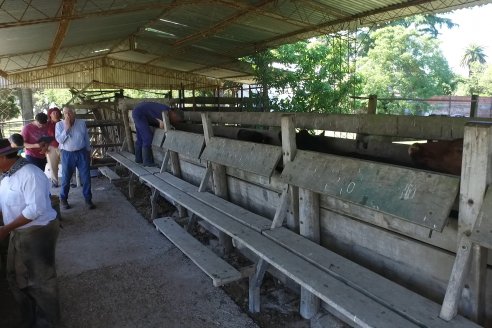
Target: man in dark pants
(31, 222)
(145, 115)
(75, 148)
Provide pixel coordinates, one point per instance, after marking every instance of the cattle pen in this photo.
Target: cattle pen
(388, 230)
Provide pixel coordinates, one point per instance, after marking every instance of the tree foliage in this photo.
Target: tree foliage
(474, 54)
(404, 63)
(43, 99)
(311, 76)
(9, 105)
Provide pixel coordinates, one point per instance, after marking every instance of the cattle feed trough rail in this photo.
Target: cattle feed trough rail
(355, 188)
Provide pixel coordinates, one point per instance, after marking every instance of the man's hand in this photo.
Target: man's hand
(44, 147)
(67, 122)
(3, 232)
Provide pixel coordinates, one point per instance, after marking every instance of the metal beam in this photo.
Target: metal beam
(68, 7)
(220, 25)
(109, 12)
(241, 5)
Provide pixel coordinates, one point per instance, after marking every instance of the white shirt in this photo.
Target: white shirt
(27, 191)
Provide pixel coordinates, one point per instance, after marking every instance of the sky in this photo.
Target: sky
(474, 27)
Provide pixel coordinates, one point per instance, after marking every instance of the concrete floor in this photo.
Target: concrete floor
(116, 270)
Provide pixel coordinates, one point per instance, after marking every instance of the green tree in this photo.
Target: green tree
(425, 24)
(474, 53)
(9, 105)
(45, 98)
(308, 76)
(404, 63)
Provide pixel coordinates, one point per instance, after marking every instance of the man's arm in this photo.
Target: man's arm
(18, 222)
(61, 134)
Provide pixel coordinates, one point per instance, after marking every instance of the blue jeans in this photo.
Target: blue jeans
(144, 116)
(76, 159)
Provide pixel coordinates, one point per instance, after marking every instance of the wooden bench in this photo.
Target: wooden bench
(358, 295)
(354, 292)
(396, 191)
(137, 170)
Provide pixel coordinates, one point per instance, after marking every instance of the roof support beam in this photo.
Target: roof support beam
(109, 12)
(241, 5)
(68, 7)
(220, 25)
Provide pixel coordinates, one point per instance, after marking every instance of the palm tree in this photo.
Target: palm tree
(473, 54)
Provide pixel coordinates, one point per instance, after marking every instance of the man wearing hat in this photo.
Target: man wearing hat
(32, 224)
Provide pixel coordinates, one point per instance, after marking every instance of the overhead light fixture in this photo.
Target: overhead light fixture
(171, 22)
(159, 32)
(100, 50)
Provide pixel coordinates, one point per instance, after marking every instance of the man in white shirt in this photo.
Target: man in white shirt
(75, 148)
(32, 224)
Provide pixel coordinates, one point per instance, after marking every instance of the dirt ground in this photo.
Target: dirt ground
(280, 305)
(116, 270)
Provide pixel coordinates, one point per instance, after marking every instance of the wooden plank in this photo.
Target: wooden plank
(248, 156)
(309, 214)
(254, 221)
(219, 181)
(482, 233)
(289, 150)
(399, 191)
(186, 143)
(135, 168)
(419, 309)
(475, 177)
(360, 309)
(417, 127)
(158, 137)
(131, 158)
(110, 174)
(216, 268)
(173, 158)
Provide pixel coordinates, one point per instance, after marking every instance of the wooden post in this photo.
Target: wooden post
(219, 180)
(174, 159)
(309, 228)
(126, 123)
(372, 105)
(475, 177)
(289, 149)
(474, 106)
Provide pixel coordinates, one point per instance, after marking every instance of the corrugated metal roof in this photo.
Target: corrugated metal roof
(200, 38)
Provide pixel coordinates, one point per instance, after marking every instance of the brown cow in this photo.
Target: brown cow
(442, 156)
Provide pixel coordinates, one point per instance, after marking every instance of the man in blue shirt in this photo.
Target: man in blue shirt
(145, 115)
(75, 148)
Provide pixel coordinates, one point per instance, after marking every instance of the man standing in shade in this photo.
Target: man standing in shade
(31, 223)
(33, 134)
(75, 148)
(53, 153)
(145, 115)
